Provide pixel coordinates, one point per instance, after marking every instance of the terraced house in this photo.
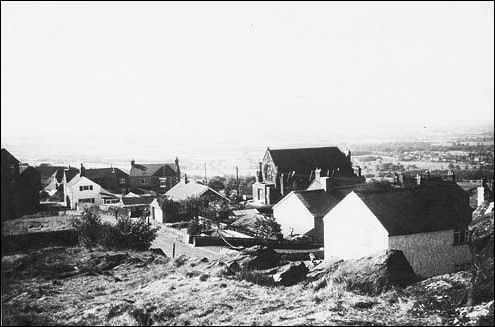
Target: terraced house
(154, 178)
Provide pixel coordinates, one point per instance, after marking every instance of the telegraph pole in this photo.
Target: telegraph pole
(237, 179)
(206, 180)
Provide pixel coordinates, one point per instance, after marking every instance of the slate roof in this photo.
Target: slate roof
(6, 155)
(426, 208)
(142, 170)
(318, 202)
(181, 191)
(305, 160)
(102, 172)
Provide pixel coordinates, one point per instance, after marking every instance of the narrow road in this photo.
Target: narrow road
(167, 245)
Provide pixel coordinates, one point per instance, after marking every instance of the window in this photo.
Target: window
(462, 267)
(461, 236)
(163, 181)
(122, 181)
(143, 181)
(86, 187)
(111, 201)
(182, 210)
(260, 194)
(12, 169)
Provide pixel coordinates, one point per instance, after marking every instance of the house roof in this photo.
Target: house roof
(425, 208)
(71, 173)
(305, 160)
(142, 200)
(142, 170)
(102, 172)
(57, 172)
(182, 191)
(318, 202)
(6, 155)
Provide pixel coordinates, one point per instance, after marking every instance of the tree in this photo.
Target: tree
(267, 228)
(217, 183)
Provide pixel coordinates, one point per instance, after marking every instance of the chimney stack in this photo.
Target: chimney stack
(132, 162)
(185, 179)
(261, 173)
(317, 173)
(83, 171)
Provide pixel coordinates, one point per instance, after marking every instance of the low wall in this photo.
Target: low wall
(30, 241)
(247, 242)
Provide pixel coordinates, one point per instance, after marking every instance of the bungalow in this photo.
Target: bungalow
(138, 206)
(177, 196)
(301, 212)
(428, 223)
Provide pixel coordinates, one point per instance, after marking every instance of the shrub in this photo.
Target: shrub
(129, 234)
(194, 228)
(125, 234)
(89, 227)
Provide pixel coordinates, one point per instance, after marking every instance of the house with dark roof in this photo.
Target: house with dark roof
(302, 212)
(428, 223)
(285, 170)
(112, 179)
(158, 178)
(20, 187)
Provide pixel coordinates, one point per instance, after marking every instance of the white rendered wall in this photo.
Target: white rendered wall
(352, 231)
(290, 212)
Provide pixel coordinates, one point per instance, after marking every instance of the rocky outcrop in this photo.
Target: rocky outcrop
(482, 248)
(373, 274)
(291, 275)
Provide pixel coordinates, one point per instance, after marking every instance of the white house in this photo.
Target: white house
(428, 223)
(301, 212)
(84, 192)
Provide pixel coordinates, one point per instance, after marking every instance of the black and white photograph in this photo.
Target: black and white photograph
(278, 163)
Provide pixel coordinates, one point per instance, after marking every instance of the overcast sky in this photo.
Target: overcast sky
(122, 76)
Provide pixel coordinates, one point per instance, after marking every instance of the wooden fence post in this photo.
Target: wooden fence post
(173, 251)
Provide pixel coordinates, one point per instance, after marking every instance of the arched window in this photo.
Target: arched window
(269, 173)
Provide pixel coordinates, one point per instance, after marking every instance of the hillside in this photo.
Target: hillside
(74, 286)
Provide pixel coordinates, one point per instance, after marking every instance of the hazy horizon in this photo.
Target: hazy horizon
(140, 80)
